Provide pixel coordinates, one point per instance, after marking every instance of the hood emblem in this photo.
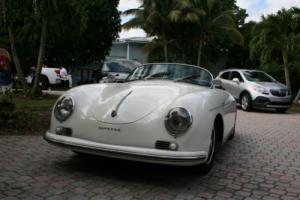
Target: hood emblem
(114, 113)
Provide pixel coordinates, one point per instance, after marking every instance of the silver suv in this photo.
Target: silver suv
(253, 88)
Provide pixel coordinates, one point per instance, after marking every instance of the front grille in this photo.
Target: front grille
(280, 93)
(162, 145)
(261, 100)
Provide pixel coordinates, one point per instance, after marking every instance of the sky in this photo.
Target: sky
(255, 9)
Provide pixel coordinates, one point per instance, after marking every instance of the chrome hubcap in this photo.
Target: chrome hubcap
(212, 146)
(245, 102)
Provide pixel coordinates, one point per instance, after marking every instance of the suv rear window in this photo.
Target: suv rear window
(225, 75)
(237, 75)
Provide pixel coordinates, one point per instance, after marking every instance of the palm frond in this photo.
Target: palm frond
(133, 23)
(134, 11)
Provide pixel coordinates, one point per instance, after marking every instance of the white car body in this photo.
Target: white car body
(142, 108)
(52, 75)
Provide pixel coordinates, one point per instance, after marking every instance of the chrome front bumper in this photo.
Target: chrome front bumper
(177, 158)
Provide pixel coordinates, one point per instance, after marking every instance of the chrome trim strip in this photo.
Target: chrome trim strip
(115, 111)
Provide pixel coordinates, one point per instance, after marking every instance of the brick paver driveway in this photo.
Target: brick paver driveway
(262, 162)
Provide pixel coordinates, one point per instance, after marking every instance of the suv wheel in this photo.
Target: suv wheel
(246, 102)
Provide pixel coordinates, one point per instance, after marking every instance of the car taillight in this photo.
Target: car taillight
(57, 71)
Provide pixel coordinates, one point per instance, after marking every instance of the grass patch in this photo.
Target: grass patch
(33, 104)
(295, 108)
(30, 116)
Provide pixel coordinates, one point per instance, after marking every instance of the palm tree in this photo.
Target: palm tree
(278, 33)
(152, 16)
(43, 11)
(207, 20)
(186, 19)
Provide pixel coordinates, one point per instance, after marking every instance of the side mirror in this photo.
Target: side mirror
(236, 80)
(217, 84)
(111, 78)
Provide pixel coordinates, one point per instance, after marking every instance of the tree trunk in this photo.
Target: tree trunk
(183, 56)
(3, 9)
(286, 68)
(16, 58)
(199, 59)
(183, 52)
(166, 52)
(297, 98)
(165, 47)
(35, 89)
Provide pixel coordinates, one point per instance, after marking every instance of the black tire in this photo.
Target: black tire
(44, 83)
(246, 102)
(80, 153)
(281, 110)
(206, 167)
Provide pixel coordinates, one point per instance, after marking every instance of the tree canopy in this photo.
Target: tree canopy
(276, 40)
(184, 28)
(79, 32)
(53, 32)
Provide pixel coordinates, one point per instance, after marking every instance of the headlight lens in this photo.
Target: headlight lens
(261, 90)
(178, 121)
(64, 108)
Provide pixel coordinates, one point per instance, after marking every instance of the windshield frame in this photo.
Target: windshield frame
(258, 71)
(181, 64)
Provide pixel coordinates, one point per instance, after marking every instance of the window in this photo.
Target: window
(257, 76)
(237, 75)
(225, 75)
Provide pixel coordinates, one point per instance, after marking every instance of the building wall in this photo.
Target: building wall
(136, 52)
(118, 50)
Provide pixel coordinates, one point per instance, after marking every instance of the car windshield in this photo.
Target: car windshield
(175, 72)
(256, 76)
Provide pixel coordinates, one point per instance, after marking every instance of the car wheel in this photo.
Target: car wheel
(246, 102)
(44, 82)
(281, 110)
(206, 167)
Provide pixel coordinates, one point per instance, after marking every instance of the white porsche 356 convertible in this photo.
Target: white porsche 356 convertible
(163, 113)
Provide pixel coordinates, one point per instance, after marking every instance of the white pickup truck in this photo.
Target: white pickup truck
(49, 76)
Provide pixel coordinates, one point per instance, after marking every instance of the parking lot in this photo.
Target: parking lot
(262, 162)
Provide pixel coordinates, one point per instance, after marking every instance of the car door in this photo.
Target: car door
(224, 77)
(235, 87)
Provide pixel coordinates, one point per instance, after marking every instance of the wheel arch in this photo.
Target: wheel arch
(244, 92)
(219, 123)
(41, 75)
(45, 76)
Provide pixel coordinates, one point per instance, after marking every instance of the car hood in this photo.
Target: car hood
(272, 85)
(121, 103)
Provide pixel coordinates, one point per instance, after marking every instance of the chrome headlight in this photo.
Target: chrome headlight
(260, 89)
(64, 108)
(178, 121)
